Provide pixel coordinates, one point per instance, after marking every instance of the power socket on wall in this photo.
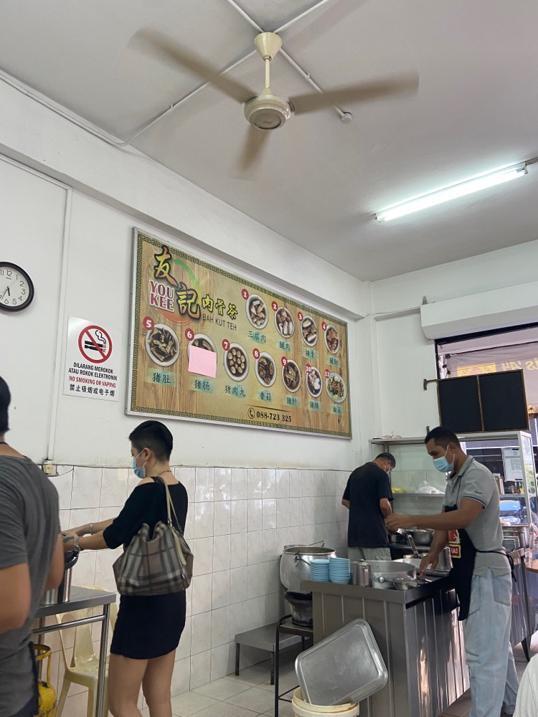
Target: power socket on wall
(50, 469)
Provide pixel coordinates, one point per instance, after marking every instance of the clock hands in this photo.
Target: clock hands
(7, 291)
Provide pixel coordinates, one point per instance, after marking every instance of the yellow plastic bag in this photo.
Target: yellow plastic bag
(47, 693)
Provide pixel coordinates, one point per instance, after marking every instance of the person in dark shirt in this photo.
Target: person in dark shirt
(368, 497)
(148, 628)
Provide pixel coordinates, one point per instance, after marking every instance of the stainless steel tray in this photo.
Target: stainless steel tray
(345, 667)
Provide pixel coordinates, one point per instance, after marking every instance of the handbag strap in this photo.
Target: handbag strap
(170, 510)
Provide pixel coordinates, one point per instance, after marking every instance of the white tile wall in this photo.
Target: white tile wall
(239, 520)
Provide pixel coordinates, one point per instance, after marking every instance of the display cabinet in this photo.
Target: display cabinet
(509, 456)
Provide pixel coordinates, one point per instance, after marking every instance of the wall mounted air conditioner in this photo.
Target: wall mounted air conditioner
(496, 309)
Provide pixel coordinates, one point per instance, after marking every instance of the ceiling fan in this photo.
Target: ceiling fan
(266, 111)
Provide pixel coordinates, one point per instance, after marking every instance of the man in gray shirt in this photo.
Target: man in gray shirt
(31, 561)
(470, 526)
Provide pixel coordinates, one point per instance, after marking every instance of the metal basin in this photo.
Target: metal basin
(384, 572)
(411, 561)
(295, 564)
(422, 537)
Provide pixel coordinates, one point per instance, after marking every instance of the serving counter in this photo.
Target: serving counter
(419, 636)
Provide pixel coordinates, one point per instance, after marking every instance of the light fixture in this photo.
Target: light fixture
(484, 181)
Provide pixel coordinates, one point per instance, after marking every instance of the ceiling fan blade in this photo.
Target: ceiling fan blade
(164, 48)
(354, 93)
(255, 143)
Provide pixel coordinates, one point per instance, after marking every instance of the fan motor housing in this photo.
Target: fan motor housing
(267, 111)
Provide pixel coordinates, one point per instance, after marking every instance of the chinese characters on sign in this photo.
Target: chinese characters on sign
(212, 346)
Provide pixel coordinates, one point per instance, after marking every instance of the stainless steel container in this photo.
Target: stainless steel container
(385, 571)
(362, 573)
(422, 537)
(444, 561)
(295, 564)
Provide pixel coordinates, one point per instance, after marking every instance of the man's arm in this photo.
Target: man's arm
(440, 539)
(346, 498)
(56, 572)
(467, 511)
(385, 507)
(15, 596)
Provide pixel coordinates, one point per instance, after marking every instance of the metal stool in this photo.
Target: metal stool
(263, 638)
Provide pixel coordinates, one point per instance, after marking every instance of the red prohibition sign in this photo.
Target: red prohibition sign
(94, 339)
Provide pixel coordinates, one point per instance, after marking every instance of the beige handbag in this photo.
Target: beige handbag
(159, 564)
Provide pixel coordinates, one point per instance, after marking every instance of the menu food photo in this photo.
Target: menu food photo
(209, 345)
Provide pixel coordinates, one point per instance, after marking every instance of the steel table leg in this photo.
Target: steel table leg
(276, 667)
(237, 658)
(101, 675)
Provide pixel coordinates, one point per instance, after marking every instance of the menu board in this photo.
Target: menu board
(208, 345)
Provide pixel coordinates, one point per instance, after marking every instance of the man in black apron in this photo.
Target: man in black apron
(481, 573)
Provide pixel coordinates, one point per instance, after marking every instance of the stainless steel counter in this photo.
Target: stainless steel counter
(419, 636)
(82, 599)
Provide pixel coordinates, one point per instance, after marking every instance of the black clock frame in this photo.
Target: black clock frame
(31, 291)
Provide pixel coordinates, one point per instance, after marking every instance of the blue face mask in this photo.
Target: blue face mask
(442, 464)
(139, 472)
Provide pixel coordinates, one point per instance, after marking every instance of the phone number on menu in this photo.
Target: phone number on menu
(261, 415)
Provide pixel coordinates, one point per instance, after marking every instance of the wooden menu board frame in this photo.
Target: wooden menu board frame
(280, 364)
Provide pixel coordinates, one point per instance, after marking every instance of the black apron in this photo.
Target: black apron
(463, 554)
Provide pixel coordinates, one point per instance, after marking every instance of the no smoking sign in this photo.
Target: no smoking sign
(90, 370)
(95, 344)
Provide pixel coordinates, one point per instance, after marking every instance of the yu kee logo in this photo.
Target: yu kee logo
(163, 266)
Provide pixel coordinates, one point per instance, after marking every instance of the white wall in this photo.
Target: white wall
(95, 432)
(404, 357)
(31, 234)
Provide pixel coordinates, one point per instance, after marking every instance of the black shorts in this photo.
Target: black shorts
(149, 627)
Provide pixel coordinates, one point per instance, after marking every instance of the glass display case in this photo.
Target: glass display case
(509, 456)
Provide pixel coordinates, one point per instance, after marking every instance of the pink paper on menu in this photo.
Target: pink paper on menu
(202, 362)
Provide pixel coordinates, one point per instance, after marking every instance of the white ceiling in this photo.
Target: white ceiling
(321, 180)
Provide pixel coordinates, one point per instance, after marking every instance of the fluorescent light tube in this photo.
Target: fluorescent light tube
(453, 192)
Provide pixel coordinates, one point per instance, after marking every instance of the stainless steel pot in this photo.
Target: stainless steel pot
(422, 537)
(295, 564)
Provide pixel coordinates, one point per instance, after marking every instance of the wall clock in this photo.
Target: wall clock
(16, 287)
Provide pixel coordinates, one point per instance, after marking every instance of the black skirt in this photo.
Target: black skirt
(148, 627)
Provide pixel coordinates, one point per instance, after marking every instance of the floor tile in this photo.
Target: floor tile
(256, 699)
(257, 674)
(224, 688)
(190, 703)
(287, 680)
(284, 710)
(224, 709)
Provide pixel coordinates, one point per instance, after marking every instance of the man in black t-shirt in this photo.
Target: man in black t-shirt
(368, 497)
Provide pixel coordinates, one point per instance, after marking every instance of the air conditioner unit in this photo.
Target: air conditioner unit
(496, 309)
